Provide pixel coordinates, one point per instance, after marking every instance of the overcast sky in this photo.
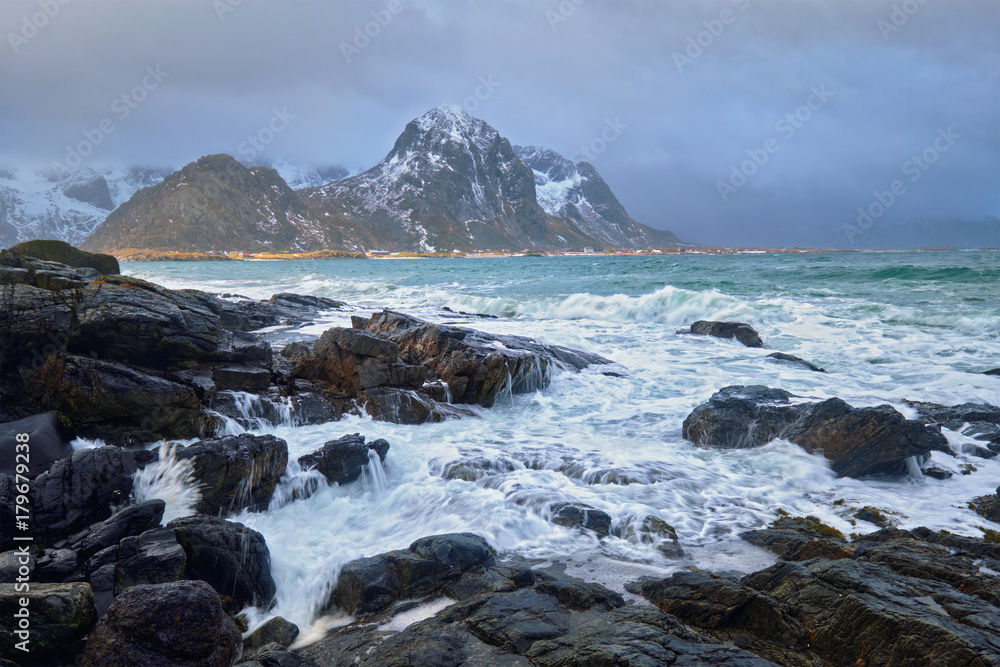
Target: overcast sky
(684, 90)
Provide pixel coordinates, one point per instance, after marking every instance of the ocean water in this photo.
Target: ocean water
(886, 326)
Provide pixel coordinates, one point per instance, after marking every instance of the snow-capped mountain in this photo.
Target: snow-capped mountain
(576, 191)
(214, 204)
(299, 176)
(35, 204)
(451, 181)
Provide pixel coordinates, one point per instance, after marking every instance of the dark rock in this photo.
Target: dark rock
(858, 612)
(801, 538)
(581, 516)
(232, 558)
(429, 566)
(64, 253)
(16, 563)
(342, 460)
(179, 624)
(241, 378)
(154, 557)
(937, 473)
(275, 631)
(60, 616)
(992, 371)
(742, 332)
(987, 507)
(47, 442)
(132, 520)
(55, 565)
(81, 490)
(298, 308)
(740, 417)
(236, 472)
(873, 515)
(862, 441)
(92, 191)
(274, 655)
(246, 314)
(405, 406)
(476, 366)
(781, 356)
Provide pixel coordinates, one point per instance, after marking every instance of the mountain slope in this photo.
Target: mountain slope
(34, 205)
(577, 192)
(214, 204)
(450, 181)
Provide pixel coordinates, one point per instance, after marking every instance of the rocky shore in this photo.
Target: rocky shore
(110, 579)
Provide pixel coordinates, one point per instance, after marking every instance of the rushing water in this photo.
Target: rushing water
(887, 327)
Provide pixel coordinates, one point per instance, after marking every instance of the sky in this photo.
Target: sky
(729, 122)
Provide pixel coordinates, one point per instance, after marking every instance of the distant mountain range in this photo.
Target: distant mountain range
(449, 182)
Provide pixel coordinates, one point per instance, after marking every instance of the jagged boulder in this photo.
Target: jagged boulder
(857, 441)
(83, 489)
(476, 366)
(180, 624)
(795, 361)
(342, 460)
(235, 473)
(232, 558)
(370, 585)
(741, 331)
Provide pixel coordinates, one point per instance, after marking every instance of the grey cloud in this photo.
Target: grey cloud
(557, 88)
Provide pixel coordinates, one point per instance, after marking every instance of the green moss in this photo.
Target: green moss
(62, 252)
(990, 535)
(838, 502)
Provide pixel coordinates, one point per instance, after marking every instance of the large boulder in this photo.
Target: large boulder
(131, 520)
(58, 617)
(235, 473)
(47, 441)
(741, 331)
(429, 566)
(857, 441)
(63, 253)
(476, 366)
(154, 557)
(739, 417)
(180, 624)
(232, 558)
(863, 441)
(83, 489)
(342, 460)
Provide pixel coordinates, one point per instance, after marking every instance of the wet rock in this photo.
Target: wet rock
(342, 460)
(800, 538)
(370, 585)
(476, 366)
(232, 558)
(406, 406)
(64, 253)
(55, 565)
(241, 378)
(274, 631)
(298, 308)
(731, 611)
(243, 314)
(60, 616)
(652, 530)
(236, 472)
(132, 520)
(889, 618)
(16, 563)
(581, 516)
(742, 332)
(863, 441)
(48, 441)
(797, 361)
(992, 371)
(987, 507)
(83, 489)
(937, 473)
(857, 441)
(275, 655)
(873, 515)
(179, 624)
(739, 417)
(154, 557)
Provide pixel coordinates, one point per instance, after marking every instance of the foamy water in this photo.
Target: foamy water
(887, 327)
